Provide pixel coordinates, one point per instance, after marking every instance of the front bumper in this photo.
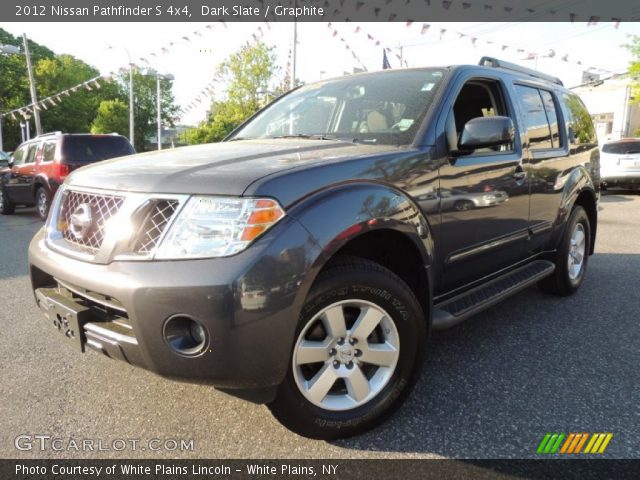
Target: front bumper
(128, 303)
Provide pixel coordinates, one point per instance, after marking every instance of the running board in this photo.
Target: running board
(457, 309)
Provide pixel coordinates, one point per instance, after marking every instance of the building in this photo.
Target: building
(612, 107)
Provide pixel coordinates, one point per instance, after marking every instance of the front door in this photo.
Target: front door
(484, 195)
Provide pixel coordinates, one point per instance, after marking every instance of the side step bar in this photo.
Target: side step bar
(457, 309)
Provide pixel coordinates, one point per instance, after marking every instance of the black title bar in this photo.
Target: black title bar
(588, 11)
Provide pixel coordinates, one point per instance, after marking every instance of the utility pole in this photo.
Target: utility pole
(32, 84)
(293, 54)
(159, 110)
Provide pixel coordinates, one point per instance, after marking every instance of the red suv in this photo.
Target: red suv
(39, 166)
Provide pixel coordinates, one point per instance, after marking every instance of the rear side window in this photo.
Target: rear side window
(49, 151)
(580, 129)
(552, 117)
(535, 117)
(622, 148)
(88, 149)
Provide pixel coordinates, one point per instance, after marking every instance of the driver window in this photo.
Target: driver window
(478, 98)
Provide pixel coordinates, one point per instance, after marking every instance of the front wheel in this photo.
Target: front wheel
(572, 256)
(6, 206)
(356, 354)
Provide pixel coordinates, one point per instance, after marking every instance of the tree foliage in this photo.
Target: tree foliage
(82, 110)
(145, 106)
(112, 117)
(248, 73)
(634, 67)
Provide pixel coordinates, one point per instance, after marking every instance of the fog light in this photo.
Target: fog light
(185, 335)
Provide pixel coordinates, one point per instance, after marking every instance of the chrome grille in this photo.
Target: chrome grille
(154, 225)
(103, 207)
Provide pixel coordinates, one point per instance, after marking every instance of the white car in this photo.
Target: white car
(620, 163)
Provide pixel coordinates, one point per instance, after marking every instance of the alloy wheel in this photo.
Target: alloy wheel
(345, 355)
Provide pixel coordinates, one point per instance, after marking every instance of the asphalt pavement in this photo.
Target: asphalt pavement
(490, 388)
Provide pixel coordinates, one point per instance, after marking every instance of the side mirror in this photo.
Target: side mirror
(482, 132)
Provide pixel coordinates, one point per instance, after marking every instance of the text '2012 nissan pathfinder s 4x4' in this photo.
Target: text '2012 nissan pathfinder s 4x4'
(303, 262)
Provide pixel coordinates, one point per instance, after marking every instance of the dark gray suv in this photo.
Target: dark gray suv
(296, 264)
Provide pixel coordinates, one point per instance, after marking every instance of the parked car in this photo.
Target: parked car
(620, 163)
(5, 158)
(40, 165)
(157, 260)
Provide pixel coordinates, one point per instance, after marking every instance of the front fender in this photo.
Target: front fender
(339, 214)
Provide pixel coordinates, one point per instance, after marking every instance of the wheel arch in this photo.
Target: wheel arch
(371, 221)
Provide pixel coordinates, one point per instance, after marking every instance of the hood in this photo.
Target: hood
(226, 168)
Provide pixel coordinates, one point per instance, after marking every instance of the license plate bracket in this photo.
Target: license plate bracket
(66, 316)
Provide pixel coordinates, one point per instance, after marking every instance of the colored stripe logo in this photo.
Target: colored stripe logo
(594, 443)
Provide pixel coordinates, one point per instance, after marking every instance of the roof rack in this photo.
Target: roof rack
(496, 63)
(48, 134)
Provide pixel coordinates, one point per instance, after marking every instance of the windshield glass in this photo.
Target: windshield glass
(3, 156)
(379, 109)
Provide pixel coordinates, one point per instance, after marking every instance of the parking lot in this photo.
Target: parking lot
(490, 388)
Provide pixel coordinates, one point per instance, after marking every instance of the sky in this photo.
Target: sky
(320, 54)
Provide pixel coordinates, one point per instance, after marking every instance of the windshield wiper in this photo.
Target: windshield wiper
(318, 136)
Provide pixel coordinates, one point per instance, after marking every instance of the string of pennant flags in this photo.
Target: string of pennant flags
(427, 28)
(209, 89)
(55, 99)
(94, 83)
(470, 6)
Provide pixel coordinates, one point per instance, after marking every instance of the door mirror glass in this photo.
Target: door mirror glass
(483, 132)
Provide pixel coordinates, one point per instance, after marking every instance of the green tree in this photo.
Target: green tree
(634, 66)
(112, 117)
(248, 73)
(75, 112)
(14, 84)
(145, 110)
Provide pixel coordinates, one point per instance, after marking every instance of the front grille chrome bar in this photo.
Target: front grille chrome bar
(128, 225)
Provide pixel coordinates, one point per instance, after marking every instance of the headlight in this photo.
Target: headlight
(218, 226)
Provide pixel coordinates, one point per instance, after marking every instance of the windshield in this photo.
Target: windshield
(379, 109)
(3, 156)
(622, 148)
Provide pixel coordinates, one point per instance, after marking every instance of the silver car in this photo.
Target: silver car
(453, 199)
(620, 163)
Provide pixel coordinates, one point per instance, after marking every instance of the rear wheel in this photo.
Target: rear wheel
(463, 205)
(42, 203)
(572, 256)
(356, 355)
(6, 206)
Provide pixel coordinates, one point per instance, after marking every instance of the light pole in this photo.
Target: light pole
(8, 50)
(131, 115)
(159, 78)
(32, 85)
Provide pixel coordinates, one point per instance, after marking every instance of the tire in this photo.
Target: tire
(43, 203)
(463, 205)
(6, 206)
(568, 276)
(350, 290)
